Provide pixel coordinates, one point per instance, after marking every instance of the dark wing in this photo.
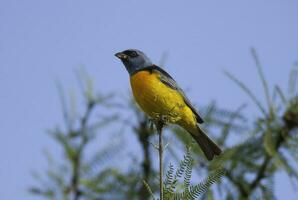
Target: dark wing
(169, 81)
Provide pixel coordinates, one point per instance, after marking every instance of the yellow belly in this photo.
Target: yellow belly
(159, 100)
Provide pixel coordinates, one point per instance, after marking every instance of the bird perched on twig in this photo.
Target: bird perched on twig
(158, 95)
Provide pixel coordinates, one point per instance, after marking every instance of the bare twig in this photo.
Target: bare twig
(159, 127)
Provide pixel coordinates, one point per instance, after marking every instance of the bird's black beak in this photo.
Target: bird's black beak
(121, 56)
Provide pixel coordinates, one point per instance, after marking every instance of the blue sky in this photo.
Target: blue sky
(42, 41)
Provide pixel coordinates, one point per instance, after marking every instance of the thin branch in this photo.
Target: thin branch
(237, 183)
(159, 126)
(247, 91)
(77, 159)
(263, 79)
(262, 171)
(144, 132)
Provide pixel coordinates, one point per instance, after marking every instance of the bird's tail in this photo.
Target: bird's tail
(209, 148)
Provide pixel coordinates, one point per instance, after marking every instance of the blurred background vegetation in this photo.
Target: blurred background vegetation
(255, 149)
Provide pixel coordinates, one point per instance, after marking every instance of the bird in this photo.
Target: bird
(159, 95)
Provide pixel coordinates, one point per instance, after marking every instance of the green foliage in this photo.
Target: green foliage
(261, 146)
(174, 188)
(79, 176)
(255, 148)
(149, 190)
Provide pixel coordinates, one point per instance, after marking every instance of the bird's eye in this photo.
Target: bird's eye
(133, 54)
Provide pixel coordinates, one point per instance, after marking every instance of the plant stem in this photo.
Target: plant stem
(284, 132)
(78, 157)
(159, 127)
(144, 132)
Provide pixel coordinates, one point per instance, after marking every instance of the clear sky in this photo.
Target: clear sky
(41, 41)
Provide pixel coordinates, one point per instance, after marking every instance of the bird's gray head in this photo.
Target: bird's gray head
(134, 60)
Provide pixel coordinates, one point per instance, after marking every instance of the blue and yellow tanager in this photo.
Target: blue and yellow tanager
(158, 95)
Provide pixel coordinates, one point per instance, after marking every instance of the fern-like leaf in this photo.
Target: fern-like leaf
(188, 172)
(169, 177)
(197, 190)
(149, 190)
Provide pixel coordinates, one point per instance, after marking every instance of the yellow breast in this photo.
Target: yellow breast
(157, 99)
